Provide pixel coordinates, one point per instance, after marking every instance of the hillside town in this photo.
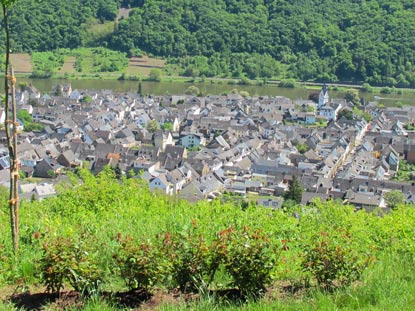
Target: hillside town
(198, 148)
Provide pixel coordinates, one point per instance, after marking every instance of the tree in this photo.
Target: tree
(167, 126)
(352, 96)
(152, 126)
(348, 114)
(155, 75)
(394, 198)
(314, 97)
(302, 148)
(295, 191)
(24, 116)
(366, 87)
(140, 89)
(86, 99)
(192, 90)
(107, 11)
(117, 171)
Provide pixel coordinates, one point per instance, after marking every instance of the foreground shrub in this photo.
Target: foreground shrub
(72, 260)
(249, 257)
(191, 262)
(138, 263)
(334, 259)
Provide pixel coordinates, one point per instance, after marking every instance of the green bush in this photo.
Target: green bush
(366, 87)
(249, 257)
(289, 83)
(138, 263)
(386, 90)
(191, 262)
(71, 260)
(334, 259)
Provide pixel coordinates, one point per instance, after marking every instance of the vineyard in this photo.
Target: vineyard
(103, 238)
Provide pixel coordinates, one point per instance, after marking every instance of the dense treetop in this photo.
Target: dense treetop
(347, 40)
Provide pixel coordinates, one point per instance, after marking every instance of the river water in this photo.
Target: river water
(208, 88)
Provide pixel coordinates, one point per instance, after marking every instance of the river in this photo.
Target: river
(208, 88)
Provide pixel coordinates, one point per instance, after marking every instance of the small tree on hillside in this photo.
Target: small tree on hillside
(155, 75)
(294, 192)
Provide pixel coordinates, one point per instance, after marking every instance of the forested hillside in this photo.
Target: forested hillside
(332, 40)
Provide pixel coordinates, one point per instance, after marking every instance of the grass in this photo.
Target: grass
(97, 31)
(68, 66)
(99, 60)
(389, 285)
(50, 62)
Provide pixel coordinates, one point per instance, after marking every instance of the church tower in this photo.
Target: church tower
(323, 98)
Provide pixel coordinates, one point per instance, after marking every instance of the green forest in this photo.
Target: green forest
(322, 40)
(104, 237)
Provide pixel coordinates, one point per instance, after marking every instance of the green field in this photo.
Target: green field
(85, 61)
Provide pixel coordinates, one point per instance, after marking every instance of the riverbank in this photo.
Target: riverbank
(216, 86)
(309, 85)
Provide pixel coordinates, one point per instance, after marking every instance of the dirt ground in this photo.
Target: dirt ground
(21, 63)
(141, 66)
(69, 65)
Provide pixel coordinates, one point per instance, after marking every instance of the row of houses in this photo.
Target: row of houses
(200, 147)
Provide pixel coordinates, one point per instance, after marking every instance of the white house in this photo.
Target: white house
(192, 140)
(330, 111)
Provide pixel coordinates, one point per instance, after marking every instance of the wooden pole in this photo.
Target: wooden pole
(15, 167)
(11, 125)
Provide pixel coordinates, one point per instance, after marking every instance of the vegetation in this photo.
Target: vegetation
(394, 198)
(307, 39)
(360, 114)
(192, 90)
(347, 113)
(294, 192)
(369, 41)
(288, 83)
(87, 60)
(152, 126)
(167, 126)
(302, 148)
(46, 63)
(108, 234)
(406, 171)
(154, 75)
(29, 125)
(97, 60)
(49, 25)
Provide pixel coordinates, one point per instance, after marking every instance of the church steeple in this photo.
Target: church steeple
(323, 97)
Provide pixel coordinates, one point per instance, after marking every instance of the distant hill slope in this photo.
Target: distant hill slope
(347, 40)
